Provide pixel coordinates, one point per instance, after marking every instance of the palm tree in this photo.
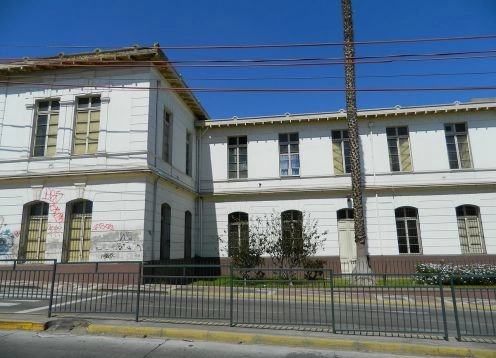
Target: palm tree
(362, 265)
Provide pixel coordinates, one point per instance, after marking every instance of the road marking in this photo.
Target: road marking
(8, 304)
(66, 303)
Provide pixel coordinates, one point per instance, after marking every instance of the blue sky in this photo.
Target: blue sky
(32, 28)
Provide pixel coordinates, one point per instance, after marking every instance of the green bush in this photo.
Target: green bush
(473, 274)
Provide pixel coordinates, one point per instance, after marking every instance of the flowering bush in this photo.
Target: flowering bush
(474, 274)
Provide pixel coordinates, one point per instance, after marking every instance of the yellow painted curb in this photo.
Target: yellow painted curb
(294, 341)
(24, 325)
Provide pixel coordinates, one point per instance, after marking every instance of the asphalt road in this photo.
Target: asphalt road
(21, 344)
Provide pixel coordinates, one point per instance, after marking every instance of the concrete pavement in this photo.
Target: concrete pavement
(251, 335)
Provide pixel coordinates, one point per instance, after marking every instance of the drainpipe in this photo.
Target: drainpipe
(378, 226)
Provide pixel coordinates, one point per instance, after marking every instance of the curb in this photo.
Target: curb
(23, 325)
(292, 341)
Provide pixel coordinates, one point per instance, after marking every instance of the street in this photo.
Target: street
(21, 344)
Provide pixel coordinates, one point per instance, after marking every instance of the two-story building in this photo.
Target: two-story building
(108, 156)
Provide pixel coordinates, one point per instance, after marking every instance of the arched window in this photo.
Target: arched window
(345, 214)
(165, 231)
(77, 247)
(407, 230)
(470, 229)
(34, 236)
(238, 238)
(292, 231)
(187, 235)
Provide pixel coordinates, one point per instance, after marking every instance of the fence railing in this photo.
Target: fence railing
(323, 299)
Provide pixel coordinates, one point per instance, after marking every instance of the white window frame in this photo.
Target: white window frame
(235, 148)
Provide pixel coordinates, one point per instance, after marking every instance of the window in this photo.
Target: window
(35, 235)
(457, 145)
(289, 157)
(87, 125)
(165, 231)
(292, 231)
(167, 137)
(237, 233)
(407, 230)
(238, 157)
(470, 230)
(187, 235)
(78, 245)
(399, 149)
(45, 131)
(188, 153)
(341, 151)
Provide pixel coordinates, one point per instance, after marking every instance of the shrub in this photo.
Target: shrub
(473, 274)
(313, 268)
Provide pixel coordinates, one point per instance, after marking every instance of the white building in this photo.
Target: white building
(121, 163)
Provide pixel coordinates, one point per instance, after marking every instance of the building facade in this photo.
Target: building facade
(105, 163)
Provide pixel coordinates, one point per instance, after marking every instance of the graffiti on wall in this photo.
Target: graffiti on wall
(53, 197)
(112, 244)
(8, 238)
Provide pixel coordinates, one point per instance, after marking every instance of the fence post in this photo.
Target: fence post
(231, 298)
(332, 303)
(140, 268)
(455, 309)
(443, 308)
(50, 303)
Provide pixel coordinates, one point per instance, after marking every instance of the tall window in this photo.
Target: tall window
(457, 145)
(45, 131)
(78, 245)
(237, 233)
(87, 125)
(407, 230)
(341, 151)
(167, 137)
(187, 235)
(165, 231)
(289, 154)
(470, 229)
(188, 153)
(400, 158)
(238, 157)
(35, 235)
(292, 231)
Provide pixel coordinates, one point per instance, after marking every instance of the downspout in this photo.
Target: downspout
(155, 182)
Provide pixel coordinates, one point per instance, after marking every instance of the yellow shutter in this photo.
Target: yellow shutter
(405, 158)
(337, 155)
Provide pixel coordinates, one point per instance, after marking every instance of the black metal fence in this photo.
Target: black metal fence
(296, 298)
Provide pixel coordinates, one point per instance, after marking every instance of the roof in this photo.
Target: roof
(396, 111)
(153, 55)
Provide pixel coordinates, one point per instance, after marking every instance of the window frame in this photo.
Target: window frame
(237, 222)
(457, 135)
(397, 137)
(344, 146)
(167, 137)
(189, 158)
(89, 110)
(403, 220)
(293, 222)
(292, 170)
(237, 148)
(465, 217)
(50, 113)
(84, 231)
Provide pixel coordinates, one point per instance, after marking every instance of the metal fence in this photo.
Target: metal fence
(296, 298)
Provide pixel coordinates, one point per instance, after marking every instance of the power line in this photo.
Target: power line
(275, 90)
(287, 45)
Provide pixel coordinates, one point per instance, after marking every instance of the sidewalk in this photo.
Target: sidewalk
(246, 335)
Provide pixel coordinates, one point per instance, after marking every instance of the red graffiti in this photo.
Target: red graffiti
(52, 196)
(103, 227)
(57, 213)
(54, 228)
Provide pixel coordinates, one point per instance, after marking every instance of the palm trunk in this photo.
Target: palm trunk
(362, 265)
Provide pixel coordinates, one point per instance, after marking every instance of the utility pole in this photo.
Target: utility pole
(362, 265)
